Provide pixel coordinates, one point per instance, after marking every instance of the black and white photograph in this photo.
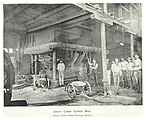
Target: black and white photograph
(72, 54)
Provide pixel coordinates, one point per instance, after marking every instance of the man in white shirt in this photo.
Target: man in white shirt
(123, 65)
(61, 69)
(130, 73)
(108, 72)
(137, 72)
(115, 68)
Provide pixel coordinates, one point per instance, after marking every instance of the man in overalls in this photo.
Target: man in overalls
(93, 70)
(138, 73)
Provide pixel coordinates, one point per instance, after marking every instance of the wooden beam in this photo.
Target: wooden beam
(72, 25)
(78, 25)
(103, 17)
(56, 21)
(132, 31)
(16, 11)
(136, 17)
(76, 21)
(134, 6)
(50, 46)
(106, 18)
(80, 47)
(96, 14)
(121, 18)
(46, 15)
(86, 27)
(125, 8)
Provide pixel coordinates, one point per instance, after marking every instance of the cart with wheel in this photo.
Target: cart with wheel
(77, 87)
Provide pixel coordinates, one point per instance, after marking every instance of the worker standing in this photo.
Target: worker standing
(116, 70)
(130, 73)
(137, 72)
(61, 69)
(123, 65)
(108, 72)
(93, 70)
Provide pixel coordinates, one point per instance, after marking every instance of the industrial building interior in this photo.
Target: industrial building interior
(40, 35)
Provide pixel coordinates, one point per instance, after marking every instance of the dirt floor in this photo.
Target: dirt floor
(58, 97)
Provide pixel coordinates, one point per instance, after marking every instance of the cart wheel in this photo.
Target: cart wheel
(71, 91)
(87, 88)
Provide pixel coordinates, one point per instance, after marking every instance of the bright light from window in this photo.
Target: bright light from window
(122, 44)
(10, 50)
(5, 49)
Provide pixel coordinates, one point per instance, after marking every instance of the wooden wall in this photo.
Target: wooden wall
(40, 37)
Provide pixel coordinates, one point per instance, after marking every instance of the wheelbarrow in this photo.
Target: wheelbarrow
(77, 88)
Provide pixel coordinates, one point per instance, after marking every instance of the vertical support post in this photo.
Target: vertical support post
(18, 56)
(71, 55)
(103, 49)
(32, 64)
(35, 72)
(15, 66)
(131, 45)
(131, 35)
(36, 65)
(119, 11)
(105, 7)
(130, 8)
(15, 55)
(54, 64)
(139, 18)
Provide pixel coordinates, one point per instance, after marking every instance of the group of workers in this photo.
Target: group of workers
(125, 73)
(121, 73)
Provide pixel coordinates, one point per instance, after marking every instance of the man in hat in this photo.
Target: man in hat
(61, 69)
